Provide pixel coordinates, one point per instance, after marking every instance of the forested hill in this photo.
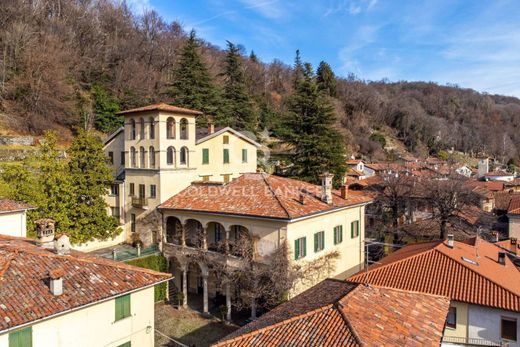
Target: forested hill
(67, 63)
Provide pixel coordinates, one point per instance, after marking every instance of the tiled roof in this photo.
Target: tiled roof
(7, 205)
(491, 185)
(503, 199)
(457, 273)
(201, 133)
(24, 274)
(162, 107)
(498, 174)
(514, 205)
(261, 195)
(337, 313)
(510, 245)
(354, 172)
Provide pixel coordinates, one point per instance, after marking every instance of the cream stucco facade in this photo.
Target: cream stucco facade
(14, 223)
(95, 325)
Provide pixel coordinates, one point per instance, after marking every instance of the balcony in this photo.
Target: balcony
(171, 249)
(139, 202)
(463, 341)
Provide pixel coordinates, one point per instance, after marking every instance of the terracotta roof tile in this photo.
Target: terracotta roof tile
(502, 199)
(7, 205)
(162, 107)
(24, 273)
(261, 195)
(456, 272)
(337, 313)
(491, 185)
(514, 205)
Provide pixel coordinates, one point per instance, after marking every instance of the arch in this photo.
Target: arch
(184, 129)
(216, 234)
(133, 155)
(132, 129)
(173, 230)
(152, 128)
(170, 128)
(240, 241)
(194, 233)
(184, 156)
(151, 157)
(142, 157)
(142, 136)
(170, 155)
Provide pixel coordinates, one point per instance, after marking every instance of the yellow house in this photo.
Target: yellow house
(53, 296)
(158, 153)
(314, 221)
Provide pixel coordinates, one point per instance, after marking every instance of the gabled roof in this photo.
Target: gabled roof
(113, 135)
(337, 313)
(24, 272)
(514, 205)
(491, 185)
(456, 272)
(162, 107)
(503, 199)
(261, 195)
(7, 206)
(230, 130)
(498, 174)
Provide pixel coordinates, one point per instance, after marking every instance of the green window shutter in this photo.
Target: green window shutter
(126, 344)
(316, 242)
(123, 308)
(322, 240)
(226, 155)
(296, 249)
(244, 155)
(304, 246)
(205, 156)
(21, 338)
(335, 235)
(341, 233)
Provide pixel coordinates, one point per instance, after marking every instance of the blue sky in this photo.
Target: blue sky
(472, 43)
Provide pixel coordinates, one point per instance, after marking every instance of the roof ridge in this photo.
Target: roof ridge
(276, 325)
(345, 318)
(264, 177)
(8, 262)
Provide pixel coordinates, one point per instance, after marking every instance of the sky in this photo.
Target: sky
(471, 43)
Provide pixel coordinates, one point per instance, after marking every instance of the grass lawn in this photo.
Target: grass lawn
(187, 327)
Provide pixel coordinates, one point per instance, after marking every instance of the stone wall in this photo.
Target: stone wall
(17, 140)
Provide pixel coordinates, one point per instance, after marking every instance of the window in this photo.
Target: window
(319, 241)
(354, 229)
(338, 234)
(132, 189)
(300, 248)
(218, 233)
(142, 129)
(509, 329)
(114, 211)
(133, 157)
(226, 156)
(132, 129)
(205, 178)
(153, 191)
(132, 222)
(142, 157)
(122, 307)
(170, 155)
(170, 128)
(151, 157)
(184, 129)
(122, 158)
(114, 189)
(142, 189)
(183, 157)
(126, 344)
(111, 157)
(451, 321)
(225, 139)
(244, 155)
(21, 338)
(152, 129)
(205, 156)
(227, 178)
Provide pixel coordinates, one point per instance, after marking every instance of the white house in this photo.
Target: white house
(51, 295)
(13, 217)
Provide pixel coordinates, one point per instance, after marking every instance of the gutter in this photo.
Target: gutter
(70, 310)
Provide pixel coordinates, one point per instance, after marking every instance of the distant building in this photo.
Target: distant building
(464, 170)
(53, 296)
(483, 167)
(513, 213)
(339, 313)
(13, 217)
(500, 176)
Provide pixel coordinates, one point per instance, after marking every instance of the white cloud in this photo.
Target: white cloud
(271, 8)
(139, 6)
(352, 7)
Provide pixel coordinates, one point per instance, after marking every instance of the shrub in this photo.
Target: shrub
(156, 263)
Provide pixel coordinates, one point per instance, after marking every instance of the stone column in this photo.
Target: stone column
(184, 270)
(226, 233)
(228, 301)
(204, 272)
(253, 309)
(204, 238)
(183, 235)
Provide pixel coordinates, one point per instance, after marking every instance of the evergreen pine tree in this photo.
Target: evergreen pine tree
(105, 108)
(253, 57)
(192, 85)
(238, 108)
(298, 70)
(309, 128)
(91, 178)
(326, 79)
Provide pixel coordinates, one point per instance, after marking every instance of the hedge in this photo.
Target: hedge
(157, 263)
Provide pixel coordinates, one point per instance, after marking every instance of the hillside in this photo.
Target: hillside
(65, 63)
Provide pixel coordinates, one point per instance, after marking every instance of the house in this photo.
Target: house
(53, 296)
(160, 152)
(481, 281)
(513, 213)
(359, 169)
(340, 313)
(268, 210)
(13, 217)
(464, 170)
(500, 176)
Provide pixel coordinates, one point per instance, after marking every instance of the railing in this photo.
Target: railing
(171, 249)
(140, 202)
(469, 341)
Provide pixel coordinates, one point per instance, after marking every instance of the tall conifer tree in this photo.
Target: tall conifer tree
(326, 79)
(309, 128)
(298, 70)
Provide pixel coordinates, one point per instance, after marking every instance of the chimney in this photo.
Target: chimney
(326, 185)
(45, 232)
(56, 281)
(495, 236)
(450, 240)
(344, 191)
(502, 258)
(211, 128)
(62, 244)
(302, 198)
(513, 241)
